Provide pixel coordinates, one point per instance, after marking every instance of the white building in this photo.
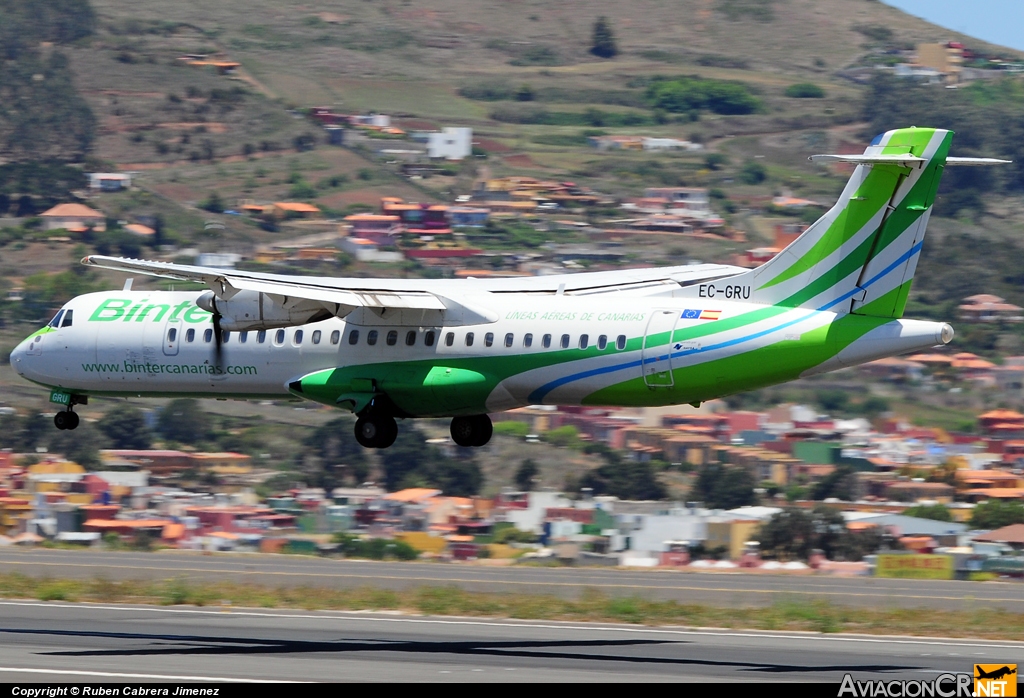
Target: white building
(451, 143)
(109, 181)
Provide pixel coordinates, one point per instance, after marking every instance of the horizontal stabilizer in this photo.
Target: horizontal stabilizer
(907, 160)
(976, 162)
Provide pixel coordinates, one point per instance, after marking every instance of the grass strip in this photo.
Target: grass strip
(592, 606)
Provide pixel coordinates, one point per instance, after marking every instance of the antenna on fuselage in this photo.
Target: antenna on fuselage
(128, 284)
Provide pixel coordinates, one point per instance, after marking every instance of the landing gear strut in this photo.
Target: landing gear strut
(472, 431)
(376, 431)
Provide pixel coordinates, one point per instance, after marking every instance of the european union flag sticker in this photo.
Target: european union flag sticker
(690, 314)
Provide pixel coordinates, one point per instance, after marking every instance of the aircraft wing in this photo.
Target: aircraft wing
(418, 293)
(225, 283)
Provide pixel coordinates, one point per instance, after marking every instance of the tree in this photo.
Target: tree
(725, 487)
(125, 427)
(213, 203)
(838, 484)
(182, 420)
(935, 512)
(794, 533)
(604, 39)
(995, 514)
(411, 462)
(525, 474)
(81, 446)
(623, 479)
(336, 454)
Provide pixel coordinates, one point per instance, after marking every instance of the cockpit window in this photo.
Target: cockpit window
(66, 322)
(55, 322)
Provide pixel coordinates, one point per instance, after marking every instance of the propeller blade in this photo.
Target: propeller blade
(218, 337)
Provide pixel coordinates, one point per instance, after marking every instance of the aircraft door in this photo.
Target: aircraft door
(172, 337)
(657, 350)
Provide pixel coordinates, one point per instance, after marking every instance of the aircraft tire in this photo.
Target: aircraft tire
(483, 429)
(464, 431)
(72, 420)
(60, 420)
(388, 433)
(367, 432)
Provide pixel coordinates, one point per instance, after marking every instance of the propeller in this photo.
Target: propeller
(218, 336)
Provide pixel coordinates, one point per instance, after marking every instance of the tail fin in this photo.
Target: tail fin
(860, 257)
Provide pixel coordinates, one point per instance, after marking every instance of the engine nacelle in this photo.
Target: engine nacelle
(252, 310)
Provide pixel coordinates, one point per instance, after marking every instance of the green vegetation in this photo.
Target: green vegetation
(936, 512)
(43, 116)
(724, 487)
(411, 462)
(793, 533)
(787, 613)
(623, 478)
(374, 548)
(603, 44)
(184, 422)
(694, 94)
(996, 514)
(589, 117)
(805, 90)
(525, 474)
(125, 427)
(510, 428)
(755, 10)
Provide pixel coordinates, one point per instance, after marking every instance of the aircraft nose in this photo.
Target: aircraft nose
(19, 358)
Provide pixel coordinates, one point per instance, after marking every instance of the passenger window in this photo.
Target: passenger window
(546, 341)
(353, 337)
(584, 341)
(297, 338)
(565, 341)
(509, 338)
(67, 318)
(527, 340)
(449, 339)
(261, 337)
(224, 337)
(489, 339)
(172, 334)
(316, 337)
(602, 342)
(335, 336)
(243, 337)
(620, 342)
(469, 339)
(279, 338)
(392, 338)
(208, 336)
(428, 338)
(55, 322)
(410, 338)
(371, 337)
(190, 335)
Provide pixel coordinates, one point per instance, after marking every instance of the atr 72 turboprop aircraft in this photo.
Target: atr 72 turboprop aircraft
(405, 348)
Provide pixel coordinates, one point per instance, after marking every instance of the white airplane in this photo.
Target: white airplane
(403, 348)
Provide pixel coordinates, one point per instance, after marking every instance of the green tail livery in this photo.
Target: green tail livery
(388, 349)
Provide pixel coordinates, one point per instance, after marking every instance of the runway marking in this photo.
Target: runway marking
(447, 580)
(114, 675)
(343, 615)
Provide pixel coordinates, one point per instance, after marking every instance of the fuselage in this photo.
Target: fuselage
(614, 350)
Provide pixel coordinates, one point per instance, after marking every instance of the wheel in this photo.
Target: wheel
(483, 429)
(388, 432)
(60, 420)
(367, 432)
(376, 431)
(72, 420)
(463, 431)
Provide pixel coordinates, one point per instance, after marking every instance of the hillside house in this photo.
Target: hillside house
(74, 218)
(109, 181)
(295, 209)
(451, 143)
(985, 307)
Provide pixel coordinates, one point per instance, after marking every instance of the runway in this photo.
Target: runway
(127, 644)
(688, 587)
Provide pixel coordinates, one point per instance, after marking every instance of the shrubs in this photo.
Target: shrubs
(805, 90)
(374, 548)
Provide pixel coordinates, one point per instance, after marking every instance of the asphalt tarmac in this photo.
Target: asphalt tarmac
(689, 587)
(127, 645)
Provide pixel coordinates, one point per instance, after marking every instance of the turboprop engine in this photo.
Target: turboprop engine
(253, 310)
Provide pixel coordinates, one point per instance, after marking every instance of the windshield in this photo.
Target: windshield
(55, 322)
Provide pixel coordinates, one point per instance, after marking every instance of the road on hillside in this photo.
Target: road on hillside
(58, 642)
(688, 587)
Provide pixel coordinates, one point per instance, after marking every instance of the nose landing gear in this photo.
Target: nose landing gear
(376, 431)
(66, 420)
(472, 431)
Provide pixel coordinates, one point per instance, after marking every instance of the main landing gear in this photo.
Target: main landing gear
(472, 431)
(376, 431)
(380, 431)
(66, 420)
